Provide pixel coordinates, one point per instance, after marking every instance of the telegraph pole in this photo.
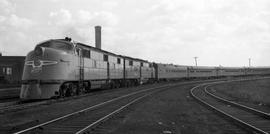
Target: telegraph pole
(249, 62)
(195, 60)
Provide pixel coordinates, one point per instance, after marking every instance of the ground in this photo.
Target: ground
(169, 112)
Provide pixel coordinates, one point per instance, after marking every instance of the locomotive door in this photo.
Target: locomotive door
(81, 67)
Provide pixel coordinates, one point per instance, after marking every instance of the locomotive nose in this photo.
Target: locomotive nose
(30, 91)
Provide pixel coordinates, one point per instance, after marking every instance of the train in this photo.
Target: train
(62, 67)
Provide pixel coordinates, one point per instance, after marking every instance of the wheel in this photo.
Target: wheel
(63, 90)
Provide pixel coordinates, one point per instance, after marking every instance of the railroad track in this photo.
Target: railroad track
(251, 119)
(9, 93)
(114, 107)
(85, 119)
(19, 105)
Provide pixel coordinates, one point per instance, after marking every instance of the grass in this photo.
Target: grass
(257, 91)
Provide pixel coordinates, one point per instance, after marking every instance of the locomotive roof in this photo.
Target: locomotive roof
(127, 57)
(110, 53)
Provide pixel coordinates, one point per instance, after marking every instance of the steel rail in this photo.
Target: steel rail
(256, 111)
(100, 104)
(86, 109)
(104, 103)
(84, 130)
(18, 105)
(258, 130)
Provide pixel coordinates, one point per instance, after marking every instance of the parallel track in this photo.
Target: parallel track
(251, 119)
(18, 105)
(9, 93)
(85, 119)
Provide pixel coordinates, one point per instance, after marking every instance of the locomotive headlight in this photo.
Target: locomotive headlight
(38, 51)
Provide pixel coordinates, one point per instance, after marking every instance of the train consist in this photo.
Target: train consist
(61, 67)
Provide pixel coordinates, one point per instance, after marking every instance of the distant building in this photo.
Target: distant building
(11, 69)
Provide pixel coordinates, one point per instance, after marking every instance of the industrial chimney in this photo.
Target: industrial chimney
(98, 36)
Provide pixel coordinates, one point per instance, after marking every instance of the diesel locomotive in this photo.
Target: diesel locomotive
(61, 67)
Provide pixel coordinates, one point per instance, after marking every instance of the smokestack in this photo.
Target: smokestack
(98, 36)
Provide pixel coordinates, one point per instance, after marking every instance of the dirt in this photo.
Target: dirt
(169, 112)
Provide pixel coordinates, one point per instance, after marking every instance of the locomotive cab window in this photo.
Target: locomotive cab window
(58, 45)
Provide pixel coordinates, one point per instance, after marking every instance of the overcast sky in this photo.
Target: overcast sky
(219, 32)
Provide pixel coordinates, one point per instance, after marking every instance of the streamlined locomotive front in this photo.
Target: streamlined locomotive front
(46, 68)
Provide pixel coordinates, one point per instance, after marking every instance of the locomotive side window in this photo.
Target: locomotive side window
(141, 64)
(105, 57)
(118, 61)
(131, 63)
(86, 53)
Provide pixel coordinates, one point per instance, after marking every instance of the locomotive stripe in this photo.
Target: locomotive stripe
(42, 82)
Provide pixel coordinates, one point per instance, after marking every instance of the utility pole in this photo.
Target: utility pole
(249, 62)
(195, 60)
